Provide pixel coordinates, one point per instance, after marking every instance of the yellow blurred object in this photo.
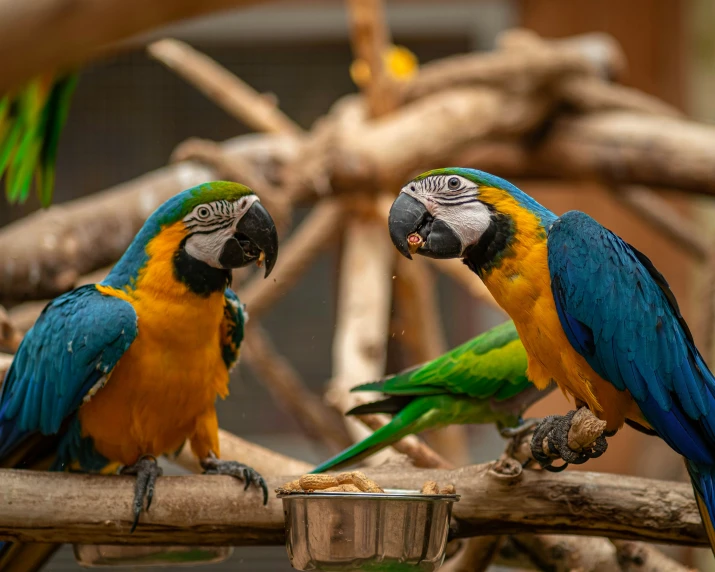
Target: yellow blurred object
(400, 64)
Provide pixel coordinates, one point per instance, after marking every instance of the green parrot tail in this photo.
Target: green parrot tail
(31, 122)
(413, 418)
(371, 386)
(391, 405)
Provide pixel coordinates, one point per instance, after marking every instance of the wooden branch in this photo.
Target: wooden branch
(663, 217)
(525, 63)
(476, 555)
(420, 330)
(289, 391)
(361, 329)
(233, 448)
(214, 510)
(44, 254)
(65, 35)
(222, 87)
(566, 553)
(5, 361)
(316, 233)
(370, 38)
(10, 337)
(640, 557)
(418, 452)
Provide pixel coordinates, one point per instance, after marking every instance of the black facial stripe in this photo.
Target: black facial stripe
(452, 201)
(198, 276)
(212, 229)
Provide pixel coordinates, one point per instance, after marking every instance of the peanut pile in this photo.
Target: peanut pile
(352, 482)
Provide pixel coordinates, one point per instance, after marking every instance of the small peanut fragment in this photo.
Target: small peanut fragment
(430, 488)
(346, 488)
(448, 490)
(317, 482)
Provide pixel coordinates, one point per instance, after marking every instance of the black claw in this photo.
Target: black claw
(147, 471)
(555, 429)
(213, 466)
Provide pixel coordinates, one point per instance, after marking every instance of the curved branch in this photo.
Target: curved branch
(214, 510)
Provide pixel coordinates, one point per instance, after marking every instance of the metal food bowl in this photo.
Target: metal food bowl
(399, 530)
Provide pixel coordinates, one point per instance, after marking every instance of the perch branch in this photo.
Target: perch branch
(475, 555)
(44, 254)
(289, 391)
(5, 361)
(214, 510)
(315, 234)
(67, 34)
(234, 448)
(222, 87)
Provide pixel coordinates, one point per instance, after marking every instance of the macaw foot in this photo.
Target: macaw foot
(214, 466)
(552, 435)
(147, 470)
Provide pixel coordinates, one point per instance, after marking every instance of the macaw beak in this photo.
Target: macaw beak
(255, 240)
(414, 229)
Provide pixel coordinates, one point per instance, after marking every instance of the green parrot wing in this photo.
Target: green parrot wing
(31, 122)
(491, 365)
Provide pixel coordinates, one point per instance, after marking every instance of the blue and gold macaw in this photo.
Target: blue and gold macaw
(117, 373)
(592, 312)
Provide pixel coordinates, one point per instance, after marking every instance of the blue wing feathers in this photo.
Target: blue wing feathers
(618, 312)
(78, 338)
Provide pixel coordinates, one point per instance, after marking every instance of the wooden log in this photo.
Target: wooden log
(214, 510)
(46, 35)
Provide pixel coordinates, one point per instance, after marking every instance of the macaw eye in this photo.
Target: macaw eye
(203, 212)
(453, 183)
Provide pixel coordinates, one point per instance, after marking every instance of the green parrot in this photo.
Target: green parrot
(31, 121)
(482, 381)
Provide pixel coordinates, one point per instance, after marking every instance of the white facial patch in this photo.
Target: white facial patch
(211, 225)
(454, 200)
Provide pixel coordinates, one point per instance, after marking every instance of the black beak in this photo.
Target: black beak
(255, 240)
(414, 229)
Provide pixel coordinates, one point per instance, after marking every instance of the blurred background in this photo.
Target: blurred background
(130, 112)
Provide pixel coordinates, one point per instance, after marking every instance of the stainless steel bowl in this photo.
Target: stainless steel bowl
(399, 530)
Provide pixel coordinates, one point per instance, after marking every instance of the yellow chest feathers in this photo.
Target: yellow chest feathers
(521, 284)
(173, 371)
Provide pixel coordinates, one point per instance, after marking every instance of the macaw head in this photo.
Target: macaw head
(225, 226)
(458, 213)
(201, 234)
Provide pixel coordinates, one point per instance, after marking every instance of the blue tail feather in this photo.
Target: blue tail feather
(703, 479)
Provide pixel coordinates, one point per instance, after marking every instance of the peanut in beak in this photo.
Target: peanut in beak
(414, 242)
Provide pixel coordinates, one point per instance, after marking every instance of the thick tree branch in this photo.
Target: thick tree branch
(207, 510)
(65, 34)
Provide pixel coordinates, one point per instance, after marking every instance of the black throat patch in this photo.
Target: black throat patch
(493, 245)
(198, 276)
